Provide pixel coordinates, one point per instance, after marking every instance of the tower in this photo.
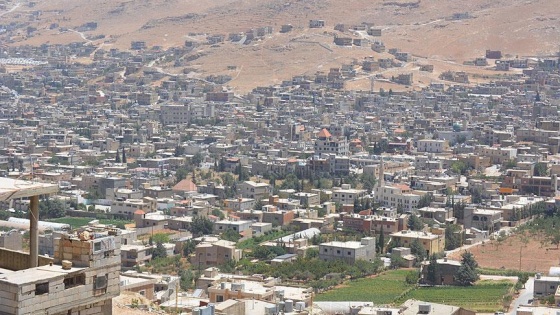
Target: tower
(381, 181)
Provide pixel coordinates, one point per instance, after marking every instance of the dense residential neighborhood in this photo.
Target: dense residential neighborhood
(118, 176)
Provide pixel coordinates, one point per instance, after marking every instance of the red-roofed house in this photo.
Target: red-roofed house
(184, 187)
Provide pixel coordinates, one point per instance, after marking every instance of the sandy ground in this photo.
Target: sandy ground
(120, 304)
(535, 257)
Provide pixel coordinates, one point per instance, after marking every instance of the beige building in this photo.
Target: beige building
(253, 190)
(432, 146)
(432, 243)
(348, 251)
(216, 253)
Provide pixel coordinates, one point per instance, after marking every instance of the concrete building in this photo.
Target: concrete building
(215, 253)
(445, 272)
(348, 251)
(253, 190)
(132, 255)
(545, 285)
(347, 195)
(237, 226)
(85, 283)
(432, 243)
(126, 208)
(11, 240)
(432, 146)
(175, 114)
(326, 143)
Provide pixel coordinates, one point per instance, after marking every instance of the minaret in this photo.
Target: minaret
(381, 181)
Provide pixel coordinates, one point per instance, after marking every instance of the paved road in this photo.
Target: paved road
(524, 296)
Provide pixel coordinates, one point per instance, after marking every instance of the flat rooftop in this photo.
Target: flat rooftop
(37, 274)
(14, 188)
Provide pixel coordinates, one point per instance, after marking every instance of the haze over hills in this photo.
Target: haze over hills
(424, 28)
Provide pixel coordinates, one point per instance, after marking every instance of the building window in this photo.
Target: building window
(74, 281)
(349, 253)
(219, 298)
(338, 251)
(42, 288)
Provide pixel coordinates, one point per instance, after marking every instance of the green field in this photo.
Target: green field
(390, 287)
(76, 222)
(485, 296)
(382, 289)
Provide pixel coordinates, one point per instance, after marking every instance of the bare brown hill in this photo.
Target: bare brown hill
(443, 32)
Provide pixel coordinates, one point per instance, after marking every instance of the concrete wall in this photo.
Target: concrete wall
(16, 260)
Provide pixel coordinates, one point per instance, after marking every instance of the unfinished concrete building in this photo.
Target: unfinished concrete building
(81, 279)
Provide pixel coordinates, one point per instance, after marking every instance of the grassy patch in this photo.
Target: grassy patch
(382, 289)
(76, 222)
(485, 296)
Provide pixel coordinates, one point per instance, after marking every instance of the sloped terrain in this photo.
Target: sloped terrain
(445, 32)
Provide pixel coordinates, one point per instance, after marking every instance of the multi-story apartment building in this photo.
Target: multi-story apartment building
(326, 143)
(432, 146)
(253, 190)
(497, 155)
(347, 195)
(215, 254)
(126, 208)
(397, 196)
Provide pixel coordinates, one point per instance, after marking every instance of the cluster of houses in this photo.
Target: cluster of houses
(115, 136)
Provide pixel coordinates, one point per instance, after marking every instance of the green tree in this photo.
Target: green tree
(179, 151)
(414, 223)
(160, 238)
(467, 273)
(381, 241)
(396, 261)
(227, 179)
(425, 200)
(218, 213)
(181, 174)
(433, 270)
(231, 235)
(418, 250)
(197, 159)
(412, 277)
(368, 182)
(159, 251)
(290, 182)
(541, 169)
(189, 248)
(459, 167)
(118, 157)
(187, 279)
(200, 226)
(258, 205)
(453, 237)
(52, 208)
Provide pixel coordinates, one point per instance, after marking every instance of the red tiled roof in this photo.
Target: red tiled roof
(185, 185)
(324, 134)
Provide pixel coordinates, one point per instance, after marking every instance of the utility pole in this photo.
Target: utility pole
(177, 296)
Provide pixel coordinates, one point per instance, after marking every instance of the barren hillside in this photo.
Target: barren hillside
(445, 32)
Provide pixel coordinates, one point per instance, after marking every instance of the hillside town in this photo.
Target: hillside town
(120, 179)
